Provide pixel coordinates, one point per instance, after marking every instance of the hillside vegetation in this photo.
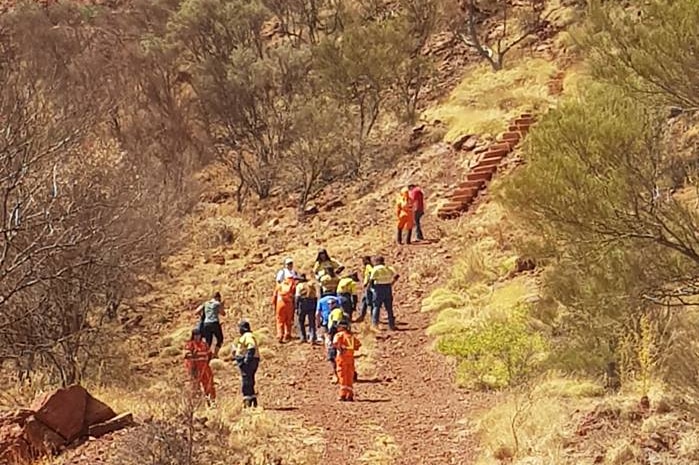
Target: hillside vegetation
(153, 152)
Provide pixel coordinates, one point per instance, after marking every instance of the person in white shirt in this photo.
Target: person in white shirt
(287, 271)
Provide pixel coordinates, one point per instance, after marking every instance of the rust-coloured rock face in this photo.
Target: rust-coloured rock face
(55, 420)
(97, 411)
(63, 411)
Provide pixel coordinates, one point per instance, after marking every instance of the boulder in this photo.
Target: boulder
(63, 410)
(41, 439)
(14, 449)
(97, 411)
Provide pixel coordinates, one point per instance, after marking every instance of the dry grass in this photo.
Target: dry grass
(486, 100)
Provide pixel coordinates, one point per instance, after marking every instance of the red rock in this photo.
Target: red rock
(63, 410)
(97, 411)
(14, 449)
(42, 440)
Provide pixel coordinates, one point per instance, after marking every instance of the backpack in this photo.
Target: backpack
(287, 288)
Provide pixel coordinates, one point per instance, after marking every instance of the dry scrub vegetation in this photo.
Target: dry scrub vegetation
(602, 335)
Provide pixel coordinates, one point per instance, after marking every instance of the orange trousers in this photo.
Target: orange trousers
(345, 373)
(203, 378)
(406, 222)
(285, 319)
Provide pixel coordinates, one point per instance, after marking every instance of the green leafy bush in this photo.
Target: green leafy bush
(497, 352)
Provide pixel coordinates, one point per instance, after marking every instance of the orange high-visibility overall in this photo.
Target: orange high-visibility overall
(346, 344)
(196, 362)
(283, 301)
(404, 211)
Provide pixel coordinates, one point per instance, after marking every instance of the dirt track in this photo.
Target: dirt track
(412, 398)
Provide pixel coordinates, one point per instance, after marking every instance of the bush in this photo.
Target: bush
(496, 353)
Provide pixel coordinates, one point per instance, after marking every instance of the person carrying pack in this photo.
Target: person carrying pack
(328, 282)
(283, 303)
(247, 356)
(196, 361)
(346, 344)
(209, 322)
(347, 293)
(306, 301)
(324, 309)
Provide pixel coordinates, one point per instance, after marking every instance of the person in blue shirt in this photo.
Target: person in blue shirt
(324, 308)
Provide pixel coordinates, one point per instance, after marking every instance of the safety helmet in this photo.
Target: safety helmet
(288, 260)
(404, 190)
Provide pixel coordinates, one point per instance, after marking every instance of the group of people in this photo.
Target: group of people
(322, 306)
(198, 352)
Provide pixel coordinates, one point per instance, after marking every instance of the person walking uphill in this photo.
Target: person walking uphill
(209, 312)
(196, 361)
(347, 293)
(418, 198)
(367, 297)
(247, 357)
(405, 215)
(283, 303)
(306, 301)
(382, 279)
(345, 343)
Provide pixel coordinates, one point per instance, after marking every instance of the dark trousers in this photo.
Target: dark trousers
(367, 302)
(247, 378)
(306, 314)
(418, 227)
(347, 302)
(210, 330)
(383, 297)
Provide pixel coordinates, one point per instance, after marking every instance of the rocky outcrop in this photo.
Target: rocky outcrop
(54, 421)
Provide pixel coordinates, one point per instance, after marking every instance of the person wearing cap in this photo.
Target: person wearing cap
(287, 270)
(209, 323)
(345, 345)
(347, 293)
(283, 304)
(196, 361)
(306, 301)
(247, 357)
(381, 280)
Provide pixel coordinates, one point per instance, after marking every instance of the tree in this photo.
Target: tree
(81, 219)
(650, 53)
(318, 152)
(471, 21)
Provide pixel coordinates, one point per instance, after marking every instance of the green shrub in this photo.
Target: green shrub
(495, 353)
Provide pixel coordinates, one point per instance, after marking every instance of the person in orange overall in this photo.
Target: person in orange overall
(196, 361)
(405, 214)
(283, 302)
(346, 344)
